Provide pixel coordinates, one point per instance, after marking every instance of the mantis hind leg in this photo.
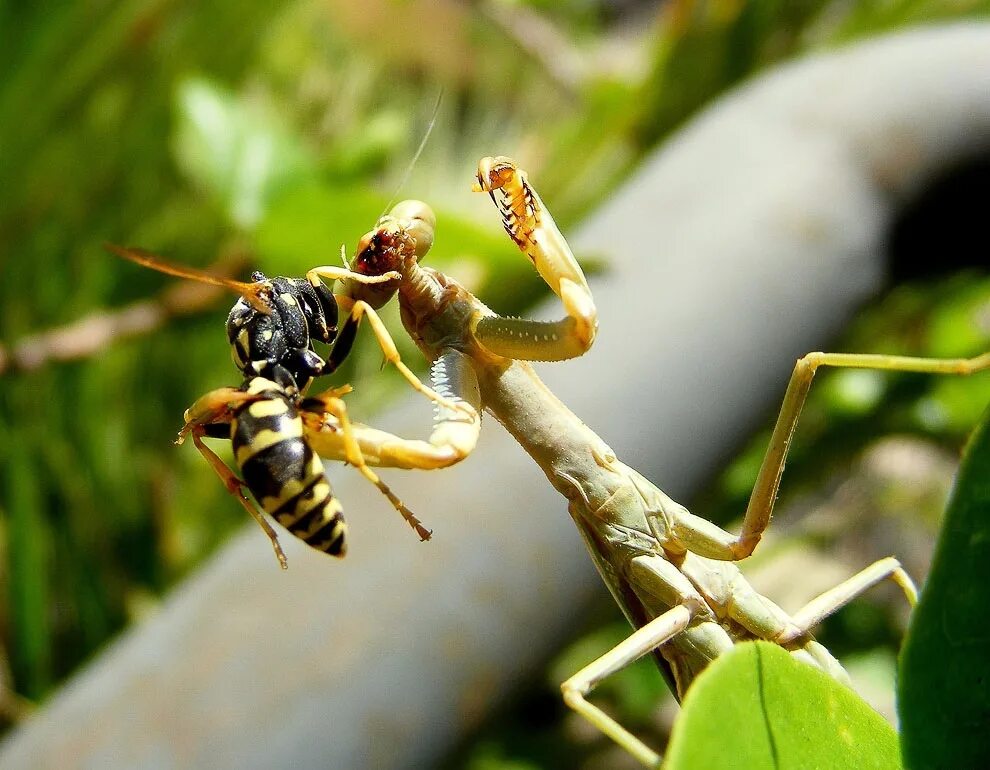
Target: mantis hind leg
(819, 608)
(659, 630)
(662, 586)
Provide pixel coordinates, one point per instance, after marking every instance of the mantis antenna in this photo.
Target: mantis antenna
(419, 151)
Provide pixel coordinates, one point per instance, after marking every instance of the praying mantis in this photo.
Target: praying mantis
(672, 572)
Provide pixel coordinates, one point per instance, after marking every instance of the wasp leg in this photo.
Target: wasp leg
(706, 539)
(344, 341)
(451, 441)
(215, 407)
(360, 309)
(236, 487)
(353, 455)
(530, 225)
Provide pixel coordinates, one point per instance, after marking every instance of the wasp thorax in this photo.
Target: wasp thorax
(298, 313)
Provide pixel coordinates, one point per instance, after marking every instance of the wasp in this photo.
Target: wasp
(271, 329)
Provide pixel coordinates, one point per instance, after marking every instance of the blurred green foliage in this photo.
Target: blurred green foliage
(267, 134)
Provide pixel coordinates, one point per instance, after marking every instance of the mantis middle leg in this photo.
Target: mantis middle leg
(706, 539)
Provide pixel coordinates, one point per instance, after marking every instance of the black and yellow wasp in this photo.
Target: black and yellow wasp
(271, 330)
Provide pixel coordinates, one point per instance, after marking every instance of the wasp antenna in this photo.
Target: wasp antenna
(252, 292)
(419, 151)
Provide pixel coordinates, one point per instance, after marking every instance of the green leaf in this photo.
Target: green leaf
(944, 693)
(758, 707)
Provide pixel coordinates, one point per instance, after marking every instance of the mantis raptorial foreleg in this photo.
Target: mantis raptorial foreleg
(530, 225)
(331, 403)
(359, 309)
(453, 437)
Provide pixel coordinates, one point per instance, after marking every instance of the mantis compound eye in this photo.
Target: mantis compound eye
(419, 222)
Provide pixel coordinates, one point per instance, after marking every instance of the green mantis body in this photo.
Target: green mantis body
(670, 571)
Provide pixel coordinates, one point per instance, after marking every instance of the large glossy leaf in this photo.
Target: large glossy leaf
(757, 707)
(944, 693)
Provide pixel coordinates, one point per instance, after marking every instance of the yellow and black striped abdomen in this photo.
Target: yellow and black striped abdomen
(283, 472)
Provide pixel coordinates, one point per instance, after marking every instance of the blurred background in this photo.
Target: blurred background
(236, 137)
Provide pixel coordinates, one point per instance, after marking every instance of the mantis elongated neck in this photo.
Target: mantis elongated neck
(575, 459)
(420, 288)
